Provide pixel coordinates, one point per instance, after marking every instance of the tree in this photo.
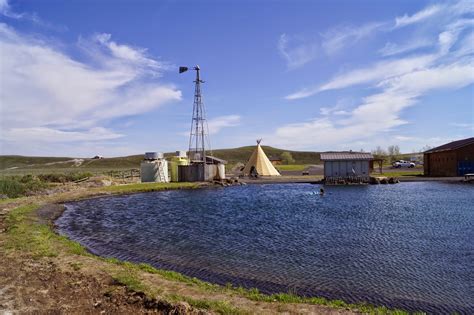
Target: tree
(426, 148)
(286, 158)
(393, 153)
(379, 152)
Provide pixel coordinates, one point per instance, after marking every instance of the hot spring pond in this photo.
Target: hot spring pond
(409, 245)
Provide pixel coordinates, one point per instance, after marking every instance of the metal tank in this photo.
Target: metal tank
(154, 168)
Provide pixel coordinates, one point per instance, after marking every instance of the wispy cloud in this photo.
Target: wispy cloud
(468, 126)
(398, 83)
(379, 71)
(378, 112)
(50, 135)
(218, 123)
(6, 10)
(297, 51)
(418, 16)
(391, 49)
(72, 100)
(336, 39)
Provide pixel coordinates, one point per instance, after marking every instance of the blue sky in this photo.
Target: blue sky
(80, 78)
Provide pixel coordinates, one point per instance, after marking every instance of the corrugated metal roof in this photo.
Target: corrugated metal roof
(343, 156)
(452, 145)
(214, 160)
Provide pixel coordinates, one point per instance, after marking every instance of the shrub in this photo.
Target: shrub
(16, 186)
(63, 178)
(11, 187)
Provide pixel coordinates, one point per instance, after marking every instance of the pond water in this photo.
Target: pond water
(408, 245)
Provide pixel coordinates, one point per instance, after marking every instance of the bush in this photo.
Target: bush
(63, 178)
(287, 158)
(12, 188)
(16, 186)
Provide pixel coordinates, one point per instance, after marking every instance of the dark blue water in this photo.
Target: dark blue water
(408, 245)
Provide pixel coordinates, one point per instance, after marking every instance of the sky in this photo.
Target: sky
(80, 78)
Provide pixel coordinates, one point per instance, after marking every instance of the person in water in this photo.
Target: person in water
(321, 191)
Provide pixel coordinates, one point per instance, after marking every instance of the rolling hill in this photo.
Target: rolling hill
(16, 164)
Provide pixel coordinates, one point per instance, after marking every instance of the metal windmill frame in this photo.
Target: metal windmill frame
(199, 134)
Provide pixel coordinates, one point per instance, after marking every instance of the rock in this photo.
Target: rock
(3, 196)
(374, 181)
(182, 308)
(106, 182)
(384, 181)
(392, 180)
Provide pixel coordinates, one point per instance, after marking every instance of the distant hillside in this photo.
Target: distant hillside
(19, 164)
(242, 154)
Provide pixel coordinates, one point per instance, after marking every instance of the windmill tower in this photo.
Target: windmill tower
(199, 135)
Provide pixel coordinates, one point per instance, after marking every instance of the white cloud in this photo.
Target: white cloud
(216, 124)
(379, 71)
(297, 51)
(468, 126)
(391, 49)
(418, 16)
(48, 96)
(300, 50)
(6, 10)
(341, 37)
(43, 134)
(378, 113)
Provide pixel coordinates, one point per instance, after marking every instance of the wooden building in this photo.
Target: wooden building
(452, 159)
(276, 160)
(348, 166)
(214, 169)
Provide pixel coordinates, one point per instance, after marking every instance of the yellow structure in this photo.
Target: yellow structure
(260, 163)
(179, 159)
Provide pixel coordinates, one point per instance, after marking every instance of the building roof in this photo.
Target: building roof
(346, 156)
(214, 160)
(452, 145)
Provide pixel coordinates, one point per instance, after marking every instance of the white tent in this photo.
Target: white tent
(260, 162)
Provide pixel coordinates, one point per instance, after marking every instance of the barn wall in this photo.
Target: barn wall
(465, 160)
(450, 163)
(344, 168)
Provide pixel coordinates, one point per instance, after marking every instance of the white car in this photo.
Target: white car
(402, 163)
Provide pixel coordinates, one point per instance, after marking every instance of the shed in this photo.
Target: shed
(214, 169)
(348, 165)
(275, 160)
(451, 159)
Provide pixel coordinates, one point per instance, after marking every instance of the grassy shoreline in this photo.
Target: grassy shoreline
(26, 233)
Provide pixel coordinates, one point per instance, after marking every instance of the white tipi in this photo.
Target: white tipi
(260, 163)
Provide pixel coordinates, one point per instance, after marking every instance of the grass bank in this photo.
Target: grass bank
(399, 173)
(27, 235)
(292, 167)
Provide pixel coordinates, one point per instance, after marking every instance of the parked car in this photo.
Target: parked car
(403, 163)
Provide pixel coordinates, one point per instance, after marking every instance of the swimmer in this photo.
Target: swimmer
(321, 191)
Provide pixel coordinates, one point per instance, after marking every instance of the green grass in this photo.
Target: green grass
(147, 187)
(38, 165)
(291, 167)
(27, 235)
(131, 281)
(399, 174)
(254, 294)
(220, 307)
